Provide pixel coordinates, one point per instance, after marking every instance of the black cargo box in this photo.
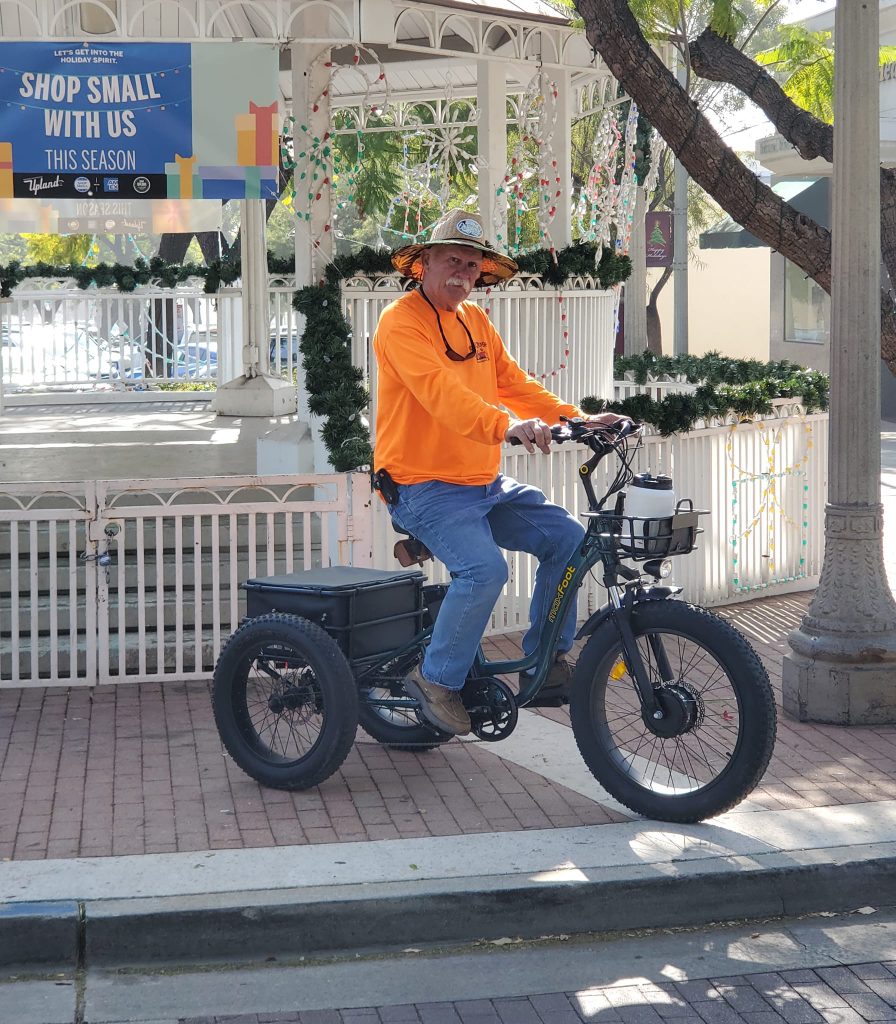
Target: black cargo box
(367, 611)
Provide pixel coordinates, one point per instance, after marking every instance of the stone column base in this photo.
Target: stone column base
(839, 693)
(288, 448)
(256, 396)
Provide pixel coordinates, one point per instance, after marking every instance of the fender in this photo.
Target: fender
(655, 593)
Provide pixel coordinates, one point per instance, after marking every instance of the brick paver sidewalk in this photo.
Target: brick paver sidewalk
(827, 995)
(139, 769)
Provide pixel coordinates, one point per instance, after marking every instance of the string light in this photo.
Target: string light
(770, 508)
(437, 148)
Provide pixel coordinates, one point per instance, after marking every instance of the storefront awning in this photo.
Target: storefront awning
(811, 197)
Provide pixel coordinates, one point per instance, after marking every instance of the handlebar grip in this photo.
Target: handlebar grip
(559, 433)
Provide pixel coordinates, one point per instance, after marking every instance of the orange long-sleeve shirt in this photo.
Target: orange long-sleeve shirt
(438, 419)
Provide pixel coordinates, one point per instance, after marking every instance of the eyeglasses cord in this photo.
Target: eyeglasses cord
(448, 349)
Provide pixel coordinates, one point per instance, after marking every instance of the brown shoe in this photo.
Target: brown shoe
(554, 692)
(440, 706)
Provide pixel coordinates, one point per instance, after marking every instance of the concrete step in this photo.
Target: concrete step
(34, 657)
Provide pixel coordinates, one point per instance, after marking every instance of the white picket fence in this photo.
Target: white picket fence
(112, 581)
(55, 337)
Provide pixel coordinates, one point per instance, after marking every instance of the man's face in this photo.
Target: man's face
(449, 273)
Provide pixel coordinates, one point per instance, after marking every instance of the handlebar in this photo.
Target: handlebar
(597, 438)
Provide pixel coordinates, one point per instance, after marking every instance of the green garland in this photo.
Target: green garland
(712, 368)
(743, 387)
(555, 268)
(335, 385)
(126, 278)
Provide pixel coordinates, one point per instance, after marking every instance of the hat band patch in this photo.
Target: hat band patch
(470, 228)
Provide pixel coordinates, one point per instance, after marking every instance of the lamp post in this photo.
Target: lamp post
(842, 667)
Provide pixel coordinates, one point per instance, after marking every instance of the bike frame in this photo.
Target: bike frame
(623, 599)
(597, 546)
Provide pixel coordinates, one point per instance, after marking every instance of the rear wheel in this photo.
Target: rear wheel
(715, 737)
(285, 701)
(397, 727)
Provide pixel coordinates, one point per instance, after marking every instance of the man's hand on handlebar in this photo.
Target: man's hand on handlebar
(531, 434)
(608, 427)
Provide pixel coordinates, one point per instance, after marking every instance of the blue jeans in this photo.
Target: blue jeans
(465, 527)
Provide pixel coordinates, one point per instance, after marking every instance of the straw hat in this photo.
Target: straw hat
(457, 228)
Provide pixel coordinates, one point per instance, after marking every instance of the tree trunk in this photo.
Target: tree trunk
(716, 59)
(654, 325)
(615, 35)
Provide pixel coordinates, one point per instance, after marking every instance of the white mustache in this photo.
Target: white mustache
(458, 281)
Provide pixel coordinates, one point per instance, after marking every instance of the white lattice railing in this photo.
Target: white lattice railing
(110, 581)
(56, 336)
(764, 483)
(114, 580)
(539, 326)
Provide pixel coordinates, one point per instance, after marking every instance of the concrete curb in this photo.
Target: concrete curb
(41, 934)
(293, 923)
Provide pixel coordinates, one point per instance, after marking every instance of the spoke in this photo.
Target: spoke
(288, 735)
(693, 759)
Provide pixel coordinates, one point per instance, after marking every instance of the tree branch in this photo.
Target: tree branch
(615, 35)
(717, 60)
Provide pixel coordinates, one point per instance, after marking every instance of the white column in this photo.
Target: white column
(313, 242)
(561, 146)
(842, 668)
(491, 159)
(254, 262)
(255, 392)
(636, 285)
(285, 447)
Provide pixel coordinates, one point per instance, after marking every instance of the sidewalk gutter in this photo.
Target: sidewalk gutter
(304, 901)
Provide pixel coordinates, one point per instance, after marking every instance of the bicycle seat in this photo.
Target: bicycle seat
(411, 551)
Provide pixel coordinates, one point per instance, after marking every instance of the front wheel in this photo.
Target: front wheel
(285, 701)
(714, 740)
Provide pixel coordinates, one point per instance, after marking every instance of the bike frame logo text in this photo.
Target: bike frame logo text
(561, 590)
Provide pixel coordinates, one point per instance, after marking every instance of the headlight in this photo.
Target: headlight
(659, 568)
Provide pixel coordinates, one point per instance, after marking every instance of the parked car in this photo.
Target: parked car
(192, 361)
(285, 349)
(197, 361)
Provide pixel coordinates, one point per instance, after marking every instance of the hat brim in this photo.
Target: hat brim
(496, 267)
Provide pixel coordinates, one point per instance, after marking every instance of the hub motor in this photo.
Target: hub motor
(682, 709)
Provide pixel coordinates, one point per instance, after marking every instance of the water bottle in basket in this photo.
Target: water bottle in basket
(649, 507)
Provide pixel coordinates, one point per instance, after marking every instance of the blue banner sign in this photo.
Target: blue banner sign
(138, 120)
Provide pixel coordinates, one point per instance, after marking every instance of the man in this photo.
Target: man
(444, 376)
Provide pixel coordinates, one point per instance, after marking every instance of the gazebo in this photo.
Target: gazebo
(113, 580)
(493, 88)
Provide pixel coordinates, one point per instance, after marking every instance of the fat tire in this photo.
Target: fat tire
(747, 677)
(334, 684)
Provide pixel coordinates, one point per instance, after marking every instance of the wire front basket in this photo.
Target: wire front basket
(640, 538)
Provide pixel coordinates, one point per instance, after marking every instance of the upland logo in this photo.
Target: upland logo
(561, 590)
(470, 228)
